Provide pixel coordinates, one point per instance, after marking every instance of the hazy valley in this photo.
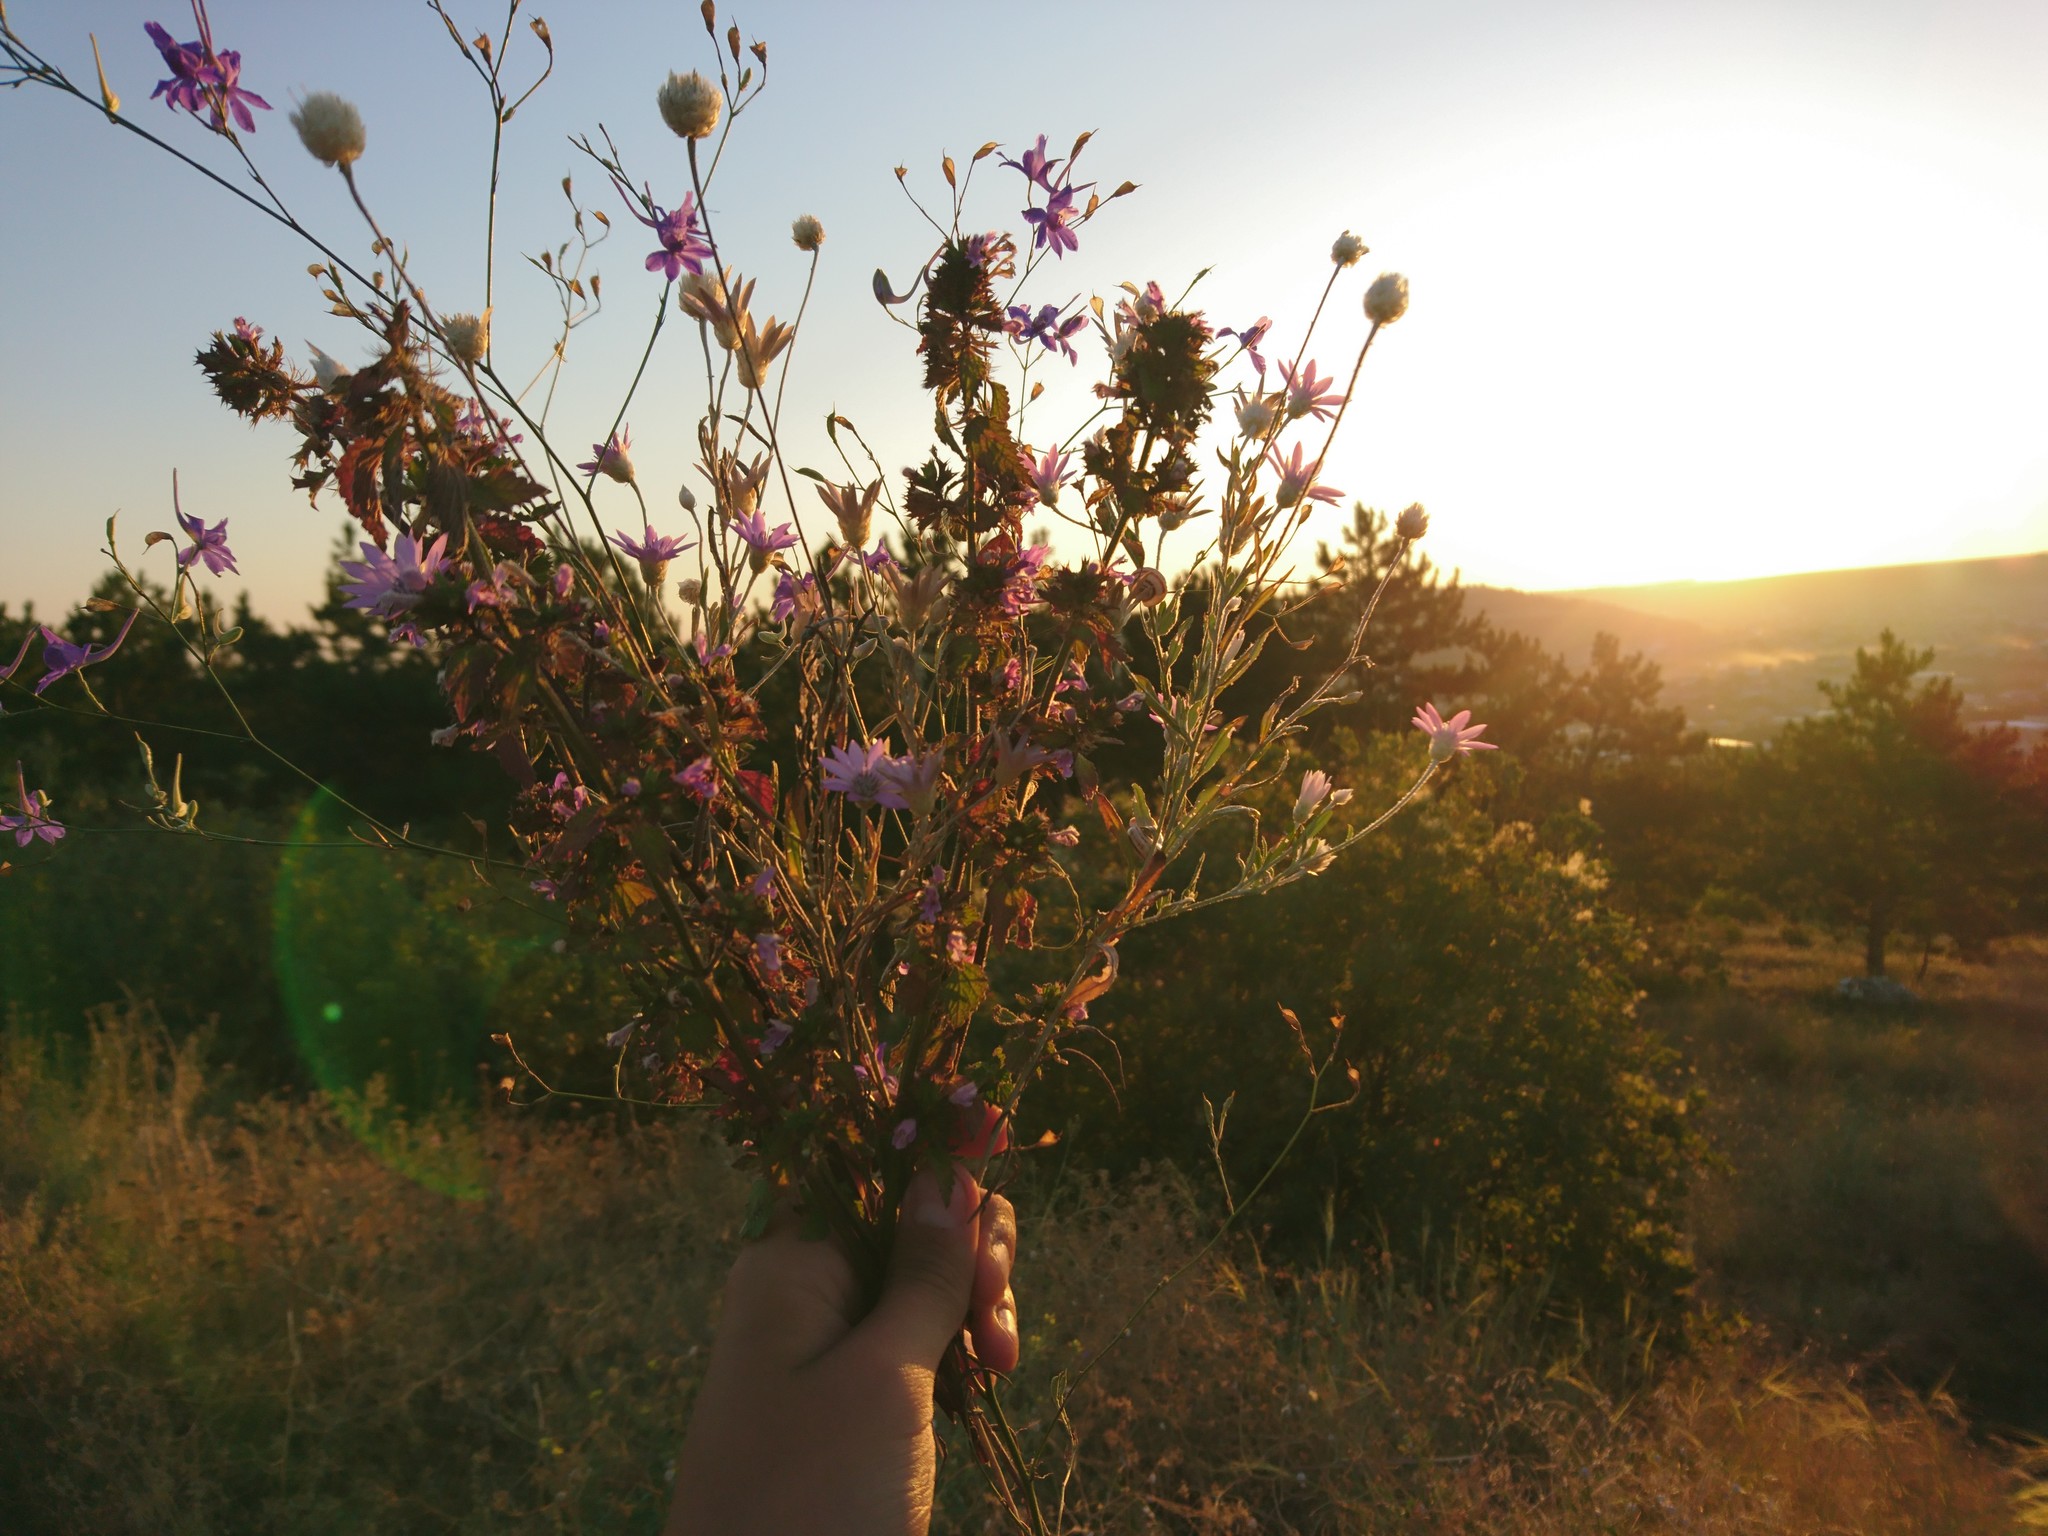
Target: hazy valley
(1743, 656)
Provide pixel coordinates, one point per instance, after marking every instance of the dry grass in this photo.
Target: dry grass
(1338, 1402)
(245, 1320)
(1884, 1194)
(251, 1323)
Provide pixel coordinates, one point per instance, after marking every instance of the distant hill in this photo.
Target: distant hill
(1743, 656)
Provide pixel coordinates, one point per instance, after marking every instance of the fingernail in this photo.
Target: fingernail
(928, 1202)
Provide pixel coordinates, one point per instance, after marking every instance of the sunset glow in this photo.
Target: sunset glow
(1723, 294)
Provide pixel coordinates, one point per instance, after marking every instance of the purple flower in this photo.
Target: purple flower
(494, 590)
(200, 77)
(768, 952)
(958, 950)
(872, 1069)
(1014, 757)
(877, 562)
(569, 796)
(1142, 307)
(35, 820)
(1047, 474)
(904, 1134)
(252, 334)
(1249, 338)
(762, 540)
(932, 900)
(1315, 789)
(1308, 395)
(1297, 479)
(208, 544)
(1452, 737)
(794, 595)
(1064, 837)
(63, 658)
(774, 1037)
(476, 425)
(630, 789)
(1049, 224)
(612, 458)
(700, 779)
(1036, 167)
(914, 778)
(547, 890)
(683, 249)
(389, 586)
(563, 581)
(762, 884)
(991, 250)
(863, 775)
(654, 552)
(965, 1094)
(1046, 328)
(20, 656)
(1020, 579)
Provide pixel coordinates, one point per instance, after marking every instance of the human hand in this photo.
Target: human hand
(814, 1419)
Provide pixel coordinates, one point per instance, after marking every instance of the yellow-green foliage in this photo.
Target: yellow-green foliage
(244, 1320)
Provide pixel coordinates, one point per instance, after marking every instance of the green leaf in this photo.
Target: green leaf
(760, 1206)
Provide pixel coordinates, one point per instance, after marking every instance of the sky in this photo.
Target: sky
(1700, 290)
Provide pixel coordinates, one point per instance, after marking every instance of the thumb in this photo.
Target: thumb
(931, 1273)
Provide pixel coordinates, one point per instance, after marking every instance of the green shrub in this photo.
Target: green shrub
(1506, 1090)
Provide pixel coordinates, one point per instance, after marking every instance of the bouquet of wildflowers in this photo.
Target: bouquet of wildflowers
(812, 757)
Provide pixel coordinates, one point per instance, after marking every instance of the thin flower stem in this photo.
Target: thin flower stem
(789, 353)
(44, 73)
(1223, 1228)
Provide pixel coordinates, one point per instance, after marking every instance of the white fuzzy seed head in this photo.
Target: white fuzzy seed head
(808, 233)
(330, 128)
(1347, 249)
(468, 336)
(1387, 299)
(690, 105)
(1255, 415)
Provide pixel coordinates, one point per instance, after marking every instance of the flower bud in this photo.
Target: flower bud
(1144, 835)
(686, 498)
(1347, 249)
(330, 128)
(468, 336)
(919, 596)
(1413, 522)
(689, 104)
(808, 233)
(1387, 299)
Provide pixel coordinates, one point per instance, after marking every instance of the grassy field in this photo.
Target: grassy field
(1884, 1190)
(227, 1317)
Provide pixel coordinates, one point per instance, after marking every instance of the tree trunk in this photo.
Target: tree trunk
(1874, 936)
